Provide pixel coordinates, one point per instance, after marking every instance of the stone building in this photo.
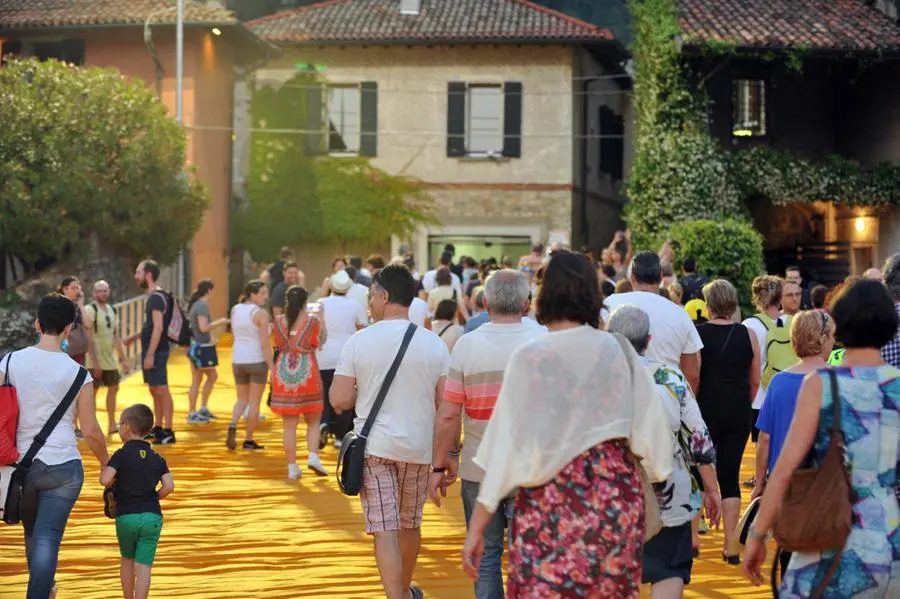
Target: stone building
(483, 100)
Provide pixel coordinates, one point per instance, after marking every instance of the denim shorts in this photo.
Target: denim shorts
(158, 376)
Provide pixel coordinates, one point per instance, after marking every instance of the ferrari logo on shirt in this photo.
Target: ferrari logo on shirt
(143, 454)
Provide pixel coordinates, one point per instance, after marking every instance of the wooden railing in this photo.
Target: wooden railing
(131, 315)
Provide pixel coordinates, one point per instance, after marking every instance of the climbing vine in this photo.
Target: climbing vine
(681, 174)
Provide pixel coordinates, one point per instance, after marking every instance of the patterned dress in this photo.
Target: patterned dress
(582, 534)
(870, 566)
(296, 383)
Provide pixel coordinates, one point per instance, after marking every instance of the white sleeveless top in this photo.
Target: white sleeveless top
(246, 348)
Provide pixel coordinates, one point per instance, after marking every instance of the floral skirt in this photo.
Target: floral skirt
(296, 385)
(582, 534)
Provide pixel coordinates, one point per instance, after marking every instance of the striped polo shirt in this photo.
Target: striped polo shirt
(476, 373)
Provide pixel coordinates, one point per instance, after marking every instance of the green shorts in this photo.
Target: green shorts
(138, 536)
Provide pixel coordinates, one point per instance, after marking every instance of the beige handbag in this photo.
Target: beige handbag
(652, 517)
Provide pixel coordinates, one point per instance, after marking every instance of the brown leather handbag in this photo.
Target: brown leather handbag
(817, 513)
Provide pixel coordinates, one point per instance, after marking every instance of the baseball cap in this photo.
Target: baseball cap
(340, 282)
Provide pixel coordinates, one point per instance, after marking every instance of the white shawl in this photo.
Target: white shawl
(562, 394)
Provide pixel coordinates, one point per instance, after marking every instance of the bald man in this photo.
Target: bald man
(873, 274)
(102, 326)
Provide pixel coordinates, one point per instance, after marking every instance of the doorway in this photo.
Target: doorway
(480, 247)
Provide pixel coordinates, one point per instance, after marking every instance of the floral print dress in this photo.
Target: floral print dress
(582, 534)
(296, 382)
(679, 497)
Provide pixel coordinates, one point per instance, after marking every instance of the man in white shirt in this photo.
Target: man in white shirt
(429, 281)
(399, 446)
(675, 340)
(473, 384)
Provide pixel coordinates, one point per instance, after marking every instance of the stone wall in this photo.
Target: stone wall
(550, 207)
(17, 318)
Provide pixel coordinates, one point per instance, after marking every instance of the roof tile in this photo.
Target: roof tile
(25, 14)
(438, 20)
(816, 24)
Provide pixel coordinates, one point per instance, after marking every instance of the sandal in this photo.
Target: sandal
(733, 560)
(416, 592)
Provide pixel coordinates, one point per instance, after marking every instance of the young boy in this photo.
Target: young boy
(136, 470)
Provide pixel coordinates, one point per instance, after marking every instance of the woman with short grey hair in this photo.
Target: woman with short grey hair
(669, 556)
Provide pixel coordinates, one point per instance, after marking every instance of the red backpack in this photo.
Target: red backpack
(9, 419)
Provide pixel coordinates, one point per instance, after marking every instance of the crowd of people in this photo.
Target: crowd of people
(572, 398)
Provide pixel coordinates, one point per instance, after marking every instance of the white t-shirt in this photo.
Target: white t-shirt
(759, 329)
(418, 312)
(404, 428)
(342, 315)
(429, 282)
(672, 333)
(530, 323)
(41, 379)
(360, 294)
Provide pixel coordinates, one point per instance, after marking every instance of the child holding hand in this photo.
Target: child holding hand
(136, 470)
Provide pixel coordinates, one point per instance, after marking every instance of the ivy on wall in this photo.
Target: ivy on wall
(680, 173)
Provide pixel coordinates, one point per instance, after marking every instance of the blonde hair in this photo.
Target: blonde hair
(676, 291)
(811, 332)
(766, 291)
(721, 298)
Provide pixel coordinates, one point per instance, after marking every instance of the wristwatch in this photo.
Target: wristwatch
(438, 470)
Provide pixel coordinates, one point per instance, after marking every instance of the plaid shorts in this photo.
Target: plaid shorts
(393, 494)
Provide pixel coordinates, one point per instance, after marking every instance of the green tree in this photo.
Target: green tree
(296, 194)
(85, 152)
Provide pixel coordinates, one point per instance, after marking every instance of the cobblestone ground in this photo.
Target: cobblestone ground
(235, 528)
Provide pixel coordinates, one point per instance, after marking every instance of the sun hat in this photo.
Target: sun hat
(340, 282)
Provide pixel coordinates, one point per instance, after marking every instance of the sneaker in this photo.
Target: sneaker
(702, 529)
(231, 439)
(315, 464)
(294, 472)
(166, 437)
(204, 411)
(78, 434)
(750, 484)
(251, 444)
(197, 418)
(154, 433)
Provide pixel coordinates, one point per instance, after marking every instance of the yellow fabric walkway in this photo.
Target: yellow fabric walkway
(236, 528)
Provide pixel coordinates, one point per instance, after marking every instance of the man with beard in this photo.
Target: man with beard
(155, 350)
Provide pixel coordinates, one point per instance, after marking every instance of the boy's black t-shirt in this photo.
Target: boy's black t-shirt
(138, 472)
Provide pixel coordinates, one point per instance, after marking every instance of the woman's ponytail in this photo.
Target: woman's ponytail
(295, 302)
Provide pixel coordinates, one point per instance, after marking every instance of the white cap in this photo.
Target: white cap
(340, 281)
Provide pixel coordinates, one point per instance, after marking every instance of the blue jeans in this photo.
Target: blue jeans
(50, 494)
(490, 576)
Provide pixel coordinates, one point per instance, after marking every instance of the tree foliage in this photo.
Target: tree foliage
(728, 248)
(296, 197)
(680, 174)
(85, 152)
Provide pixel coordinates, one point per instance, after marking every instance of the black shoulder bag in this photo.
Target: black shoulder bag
(351, 461)
(12, 508)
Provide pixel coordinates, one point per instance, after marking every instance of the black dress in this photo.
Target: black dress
(724, 397)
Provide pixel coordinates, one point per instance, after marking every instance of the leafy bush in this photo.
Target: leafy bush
(85, 152)
(729, 248)
(682, 177)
